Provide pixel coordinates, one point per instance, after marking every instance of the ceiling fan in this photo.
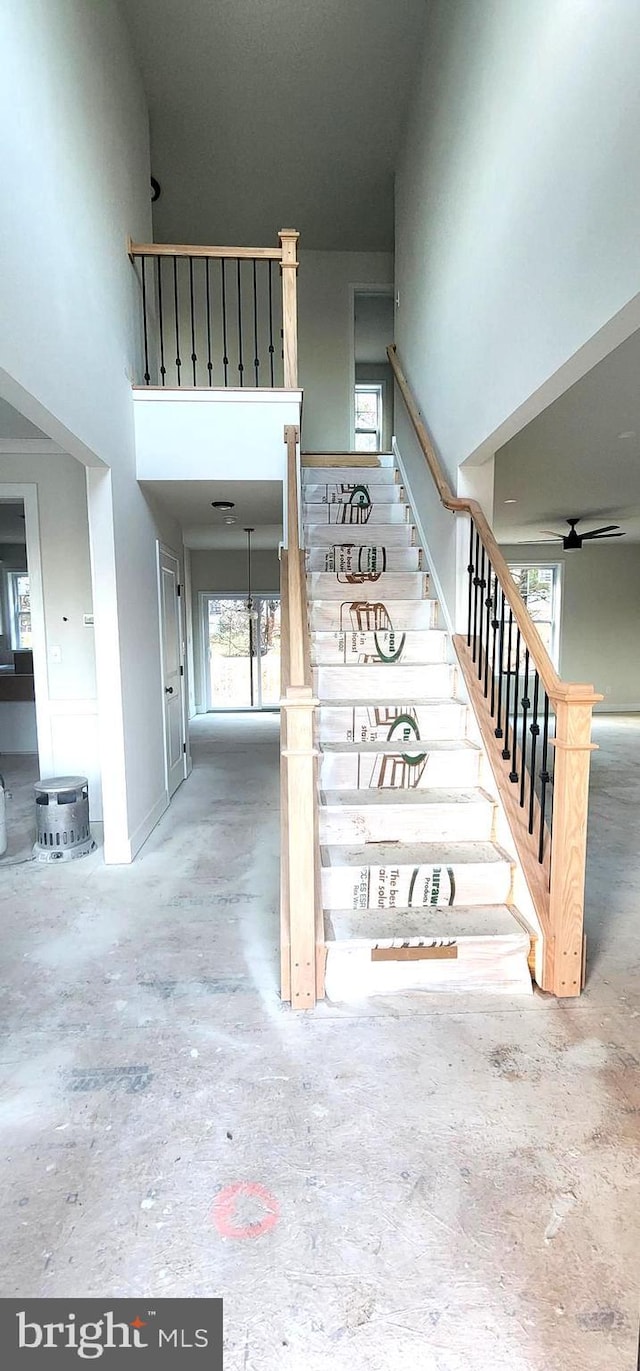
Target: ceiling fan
(573, 540)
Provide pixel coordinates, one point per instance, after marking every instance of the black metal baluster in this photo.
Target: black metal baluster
(194, 359)
(534, 730)
(488, 605)
(470, 570)
(505, 751)
(240, 358)
(476, 587)
(163, 369)
(495, 624)
(481, 644)
(525, 710)
(513, 774)
(175, 306)
(271, 346)
(225, 351)
(147, 373)
(499, 730)
(208, 296)
(256, 359)
(544, 776)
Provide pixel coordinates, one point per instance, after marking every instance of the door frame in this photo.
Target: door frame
(28, 493)
(375, 288)
(163, 550)
(205, 681)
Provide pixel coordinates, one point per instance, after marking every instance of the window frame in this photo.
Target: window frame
(556, 568)
(368, 388)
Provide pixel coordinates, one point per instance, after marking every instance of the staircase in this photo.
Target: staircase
(417, 889)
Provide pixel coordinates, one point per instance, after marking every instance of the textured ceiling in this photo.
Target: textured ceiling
(580, 457)
(276, 113)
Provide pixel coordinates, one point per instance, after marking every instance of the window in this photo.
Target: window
(368, 418)
(19, 609)
(539, 587)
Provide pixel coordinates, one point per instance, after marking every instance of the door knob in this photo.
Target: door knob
(168, 690)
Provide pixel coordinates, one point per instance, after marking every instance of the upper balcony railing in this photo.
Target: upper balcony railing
(218, 316)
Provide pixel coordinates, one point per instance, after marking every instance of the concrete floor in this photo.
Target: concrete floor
(431, 1183)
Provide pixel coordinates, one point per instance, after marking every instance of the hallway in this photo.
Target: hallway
(432, 1182)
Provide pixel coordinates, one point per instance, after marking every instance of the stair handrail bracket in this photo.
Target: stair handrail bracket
(217, 317)
(301, 919)
(536, 730)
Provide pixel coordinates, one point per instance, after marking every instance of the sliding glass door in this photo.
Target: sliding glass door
(242, 653)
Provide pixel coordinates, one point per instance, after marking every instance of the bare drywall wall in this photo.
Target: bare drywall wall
(517, 212)
(75, 157)
(326, 340)
(599, 616)
(226, 572)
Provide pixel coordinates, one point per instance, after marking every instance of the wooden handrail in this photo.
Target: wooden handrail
(556, 688)
(198, 250)
(553, 866)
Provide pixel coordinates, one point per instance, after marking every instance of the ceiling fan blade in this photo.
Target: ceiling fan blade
(598, 532)
(602, 537)
(551, 533)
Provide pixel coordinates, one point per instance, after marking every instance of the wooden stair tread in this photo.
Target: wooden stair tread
(372, 927)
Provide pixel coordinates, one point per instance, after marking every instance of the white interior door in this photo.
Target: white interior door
(172, 677)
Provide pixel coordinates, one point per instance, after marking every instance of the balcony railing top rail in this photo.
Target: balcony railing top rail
(536, 729)
(218, 316)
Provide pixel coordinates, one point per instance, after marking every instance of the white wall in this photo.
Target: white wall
(226, 571)
(517, 207)
(326, 340)
(75, 158)
(599, 618)
(68, 709)
(206, 435)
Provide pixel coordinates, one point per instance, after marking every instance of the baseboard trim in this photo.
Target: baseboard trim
(116, 854)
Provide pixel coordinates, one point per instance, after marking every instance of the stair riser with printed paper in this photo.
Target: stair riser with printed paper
(343, 493)
(415, 887)
(359, 615)
(385, 646)
(412, 769)
(350, 476)
(354, 516)
(407, 822)
(329, 585)
(406, 722)
(362, 556)
(391, 681)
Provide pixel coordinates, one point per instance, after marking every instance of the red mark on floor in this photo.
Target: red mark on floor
(225, 1205)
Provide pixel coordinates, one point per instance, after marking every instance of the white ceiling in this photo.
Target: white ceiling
(268, 114)
(572, 459)
(258, 504)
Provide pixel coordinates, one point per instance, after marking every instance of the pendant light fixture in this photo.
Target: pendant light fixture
(251, 611)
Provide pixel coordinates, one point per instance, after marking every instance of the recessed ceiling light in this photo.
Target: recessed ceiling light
(511, 502)
(628, 433)
(223, 504)
(231, 521)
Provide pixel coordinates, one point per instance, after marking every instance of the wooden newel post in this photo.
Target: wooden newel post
(289, 271)
(298, 757)
(563, 969)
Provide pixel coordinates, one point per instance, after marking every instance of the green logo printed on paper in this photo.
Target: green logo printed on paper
(406, 728)
(394, 652)
(360, 496)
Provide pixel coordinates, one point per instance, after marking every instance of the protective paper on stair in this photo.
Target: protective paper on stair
(360, 615)
(391, 558)
(384, 645)
(481, 964)
(395, 680)
(411, 769)
(405, 886)
(386, 535)
(346, 492)
(374, 723)
(407, 816)
(329, 585)
(355, 515)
